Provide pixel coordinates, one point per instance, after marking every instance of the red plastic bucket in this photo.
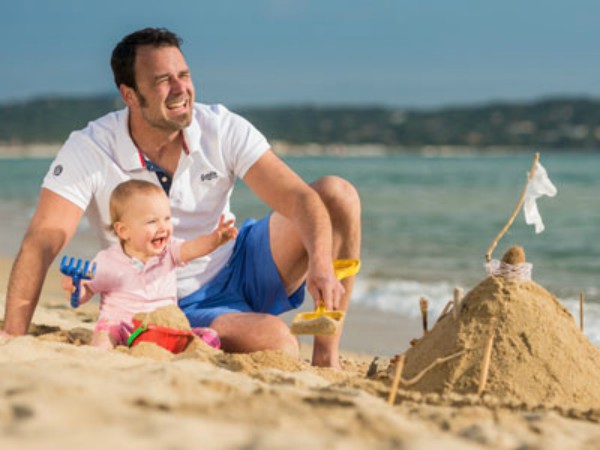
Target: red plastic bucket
(173, 340)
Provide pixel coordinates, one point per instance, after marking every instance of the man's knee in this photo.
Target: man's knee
(338, 194)
(285, 340)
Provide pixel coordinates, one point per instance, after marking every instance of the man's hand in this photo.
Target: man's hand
(324, 287)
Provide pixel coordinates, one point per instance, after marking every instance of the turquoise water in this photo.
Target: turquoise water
(427, 221)
(432, 219)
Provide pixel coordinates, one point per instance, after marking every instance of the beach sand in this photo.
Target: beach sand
(59, 394)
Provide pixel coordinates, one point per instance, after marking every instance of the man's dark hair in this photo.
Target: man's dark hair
(123, 56)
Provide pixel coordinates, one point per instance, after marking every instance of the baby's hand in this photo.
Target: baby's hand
(67, 284)
(225, 232)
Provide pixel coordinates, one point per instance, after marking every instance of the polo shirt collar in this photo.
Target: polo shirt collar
(125, 151)
(127, 154)
(192, 133)
(120, 255)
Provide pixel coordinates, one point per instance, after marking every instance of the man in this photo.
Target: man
(195, 152)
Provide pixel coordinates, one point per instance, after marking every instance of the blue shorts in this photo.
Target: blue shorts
(249, 282)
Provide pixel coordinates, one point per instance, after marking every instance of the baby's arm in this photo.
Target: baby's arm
(206, 243)
(85, 293)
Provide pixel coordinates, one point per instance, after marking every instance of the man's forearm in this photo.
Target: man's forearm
(24, 286)
(312, 219)
(51, 227)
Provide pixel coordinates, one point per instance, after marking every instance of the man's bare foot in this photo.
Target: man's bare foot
(326, 359)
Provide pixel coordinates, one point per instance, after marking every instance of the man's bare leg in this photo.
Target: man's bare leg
(343, 204)
(252, 332)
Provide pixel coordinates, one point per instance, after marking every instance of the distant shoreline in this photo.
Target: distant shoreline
(29, 151)
(45, 151)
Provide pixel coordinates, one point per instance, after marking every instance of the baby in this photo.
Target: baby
(138, 274)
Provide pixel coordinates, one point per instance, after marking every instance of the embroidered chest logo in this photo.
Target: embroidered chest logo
(208, 176)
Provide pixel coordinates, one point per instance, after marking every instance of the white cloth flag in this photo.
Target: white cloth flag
(539, 185)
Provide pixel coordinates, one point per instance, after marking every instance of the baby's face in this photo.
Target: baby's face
(145, 228)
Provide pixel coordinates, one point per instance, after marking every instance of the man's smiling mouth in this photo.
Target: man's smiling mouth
(177, 105)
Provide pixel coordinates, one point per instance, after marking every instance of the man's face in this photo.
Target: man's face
(165, 92)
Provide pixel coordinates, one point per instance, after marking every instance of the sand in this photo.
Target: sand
(167, 316)
(319, 326)
(59, 393)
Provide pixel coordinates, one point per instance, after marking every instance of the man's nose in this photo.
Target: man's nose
(177, 85)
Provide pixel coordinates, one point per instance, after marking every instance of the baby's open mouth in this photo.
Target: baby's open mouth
(159, 242)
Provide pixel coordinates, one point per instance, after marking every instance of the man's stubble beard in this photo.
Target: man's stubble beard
(163, 123)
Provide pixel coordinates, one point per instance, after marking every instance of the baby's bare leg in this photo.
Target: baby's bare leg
(103, 339)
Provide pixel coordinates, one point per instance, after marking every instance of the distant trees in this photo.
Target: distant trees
(549, 123)
(51, 119)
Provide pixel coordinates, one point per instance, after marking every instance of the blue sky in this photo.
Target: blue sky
(414, 53)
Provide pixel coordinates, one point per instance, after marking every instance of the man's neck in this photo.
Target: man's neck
(153, 142)
(162, 148)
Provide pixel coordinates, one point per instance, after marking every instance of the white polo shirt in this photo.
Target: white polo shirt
(222, 146)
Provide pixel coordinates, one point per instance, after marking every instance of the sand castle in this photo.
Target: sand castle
(538, 353)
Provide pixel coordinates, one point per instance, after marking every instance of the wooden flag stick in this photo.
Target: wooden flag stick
(488, 255)
(423, 303)
(581, 300)
(396, 382)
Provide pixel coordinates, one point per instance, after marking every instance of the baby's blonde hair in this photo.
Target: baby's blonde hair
(124, 192)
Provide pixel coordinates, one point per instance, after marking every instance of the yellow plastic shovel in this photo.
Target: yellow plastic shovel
(321, 321)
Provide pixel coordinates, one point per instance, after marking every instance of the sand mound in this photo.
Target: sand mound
(251, 363)
(166, 316)
(539, 354)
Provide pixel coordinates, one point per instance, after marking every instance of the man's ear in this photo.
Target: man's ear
(128, 95)
(121, 231)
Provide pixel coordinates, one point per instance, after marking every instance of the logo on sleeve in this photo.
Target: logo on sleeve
(58, 170)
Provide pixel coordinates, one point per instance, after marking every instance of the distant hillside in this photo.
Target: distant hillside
(550, 123)
(50, 120)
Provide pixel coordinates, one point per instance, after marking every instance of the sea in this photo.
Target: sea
(427, 222)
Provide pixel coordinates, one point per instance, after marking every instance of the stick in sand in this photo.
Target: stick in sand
(458, 295)
(423, 303)
(436, 362)
(397, 376)
(488, 255)
(581, 300)
(445, 310)
(485, 362)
